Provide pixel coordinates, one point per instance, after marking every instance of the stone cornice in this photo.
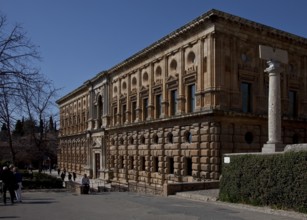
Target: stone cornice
(211, 17)
(75, 92)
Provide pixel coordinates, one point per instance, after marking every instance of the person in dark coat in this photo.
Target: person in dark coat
(74, 176)
(63, 176)
(9, 183)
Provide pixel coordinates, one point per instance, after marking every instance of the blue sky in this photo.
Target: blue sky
(79, 38)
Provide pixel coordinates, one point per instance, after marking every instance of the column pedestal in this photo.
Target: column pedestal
(271, 148)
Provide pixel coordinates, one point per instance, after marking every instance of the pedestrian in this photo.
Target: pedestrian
(69, 176)
(9, 182)
(18, 178)
(63, 176)
(59, 171)
(74, 176)
(85, 184)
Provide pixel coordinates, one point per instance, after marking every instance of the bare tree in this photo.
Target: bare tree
(17, 55)
(6, 117)
(38, 100)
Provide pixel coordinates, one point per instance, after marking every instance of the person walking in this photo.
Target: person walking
(63, 176)
(9, 182)
(74, 176)
(69, 176)
(18, 178)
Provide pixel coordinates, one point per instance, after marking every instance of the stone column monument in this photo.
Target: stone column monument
(274, 58)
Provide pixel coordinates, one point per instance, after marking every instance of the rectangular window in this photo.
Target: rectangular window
(191, 98)
(124, 114)
(131, 162)
(188, 166)
(174, 104)
(115, 116)
(170, 163)
(133, 110)
(155, 164)
(158, 106)
(121, 162)
(292, 104)
(142, 165)
(145, 109)
(246, 97)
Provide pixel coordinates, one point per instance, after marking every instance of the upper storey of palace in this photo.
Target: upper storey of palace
(207, 64)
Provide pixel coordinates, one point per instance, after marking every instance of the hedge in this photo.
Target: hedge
(276, 180)
(41, 181)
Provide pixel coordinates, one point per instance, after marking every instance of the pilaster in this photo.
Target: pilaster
(181, 95)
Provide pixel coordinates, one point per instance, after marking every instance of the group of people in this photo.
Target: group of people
(85, 181)
(12, 182)
(71, 176)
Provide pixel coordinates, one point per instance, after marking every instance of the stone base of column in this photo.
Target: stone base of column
(272, 148)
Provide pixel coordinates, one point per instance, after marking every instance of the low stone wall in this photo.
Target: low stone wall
(173, 188)
(145, 188)
(73, 186)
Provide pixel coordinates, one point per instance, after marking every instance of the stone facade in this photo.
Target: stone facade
(168, 113)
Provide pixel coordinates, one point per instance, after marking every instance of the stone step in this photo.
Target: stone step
(200, 195)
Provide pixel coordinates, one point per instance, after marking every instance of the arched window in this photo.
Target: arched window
(142, 139)
(188, 137)
(131, 140)
(134, 81)
(124, 85)
(158, 71)
(191, 58)
(170, 138)
(121, 141)
(145, 77)
(155, 139)
(112, 141)
(173, 65)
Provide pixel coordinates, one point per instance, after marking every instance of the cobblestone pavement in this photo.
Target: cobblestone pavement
(126, 205)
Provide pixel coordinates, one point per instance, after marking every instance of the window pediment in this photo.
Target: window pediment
(190, 78)
(171, 82)
(247, 75)
(144, 90)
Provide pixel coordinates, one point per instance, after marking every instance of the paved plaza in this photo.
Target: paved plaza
(126, 205)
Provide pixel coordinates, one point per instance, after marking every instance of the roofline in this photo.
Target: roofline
(59, 101)
(200, 20)
(208, 16)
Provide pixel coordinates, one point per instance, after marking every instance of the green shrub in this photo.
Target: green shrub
(278, 180)
(42, 181)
